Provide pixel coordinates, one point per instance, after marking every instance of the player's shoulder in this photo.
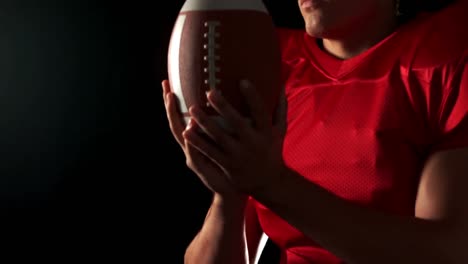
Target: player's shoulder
(440, 38)
(285, 33)
(290, 40)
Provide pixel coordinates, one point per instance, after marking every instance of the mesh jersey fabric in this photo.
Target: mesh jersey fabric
(362, 128)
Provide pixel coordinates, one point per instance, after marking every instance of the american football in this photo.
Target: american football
(215, 44)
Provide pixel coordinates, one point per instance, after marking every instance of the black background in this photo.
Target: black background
(88, 166)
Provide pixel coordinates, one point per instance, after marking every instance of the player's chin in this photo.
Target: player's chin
(314, 25)
(315, 31)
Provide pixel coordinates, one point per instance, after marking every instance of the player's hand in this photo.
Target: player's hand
(280, 115)
(208, 171)
(250, 155)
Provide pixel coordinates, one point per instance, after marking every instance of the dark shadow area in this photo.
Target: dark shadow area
(88, 166)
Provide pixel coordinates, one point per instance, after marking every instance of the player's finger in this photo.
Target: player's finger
(212, 129)
(256, 105)
(234, 120)
(194, 138)
(280, 115)
(176, 123)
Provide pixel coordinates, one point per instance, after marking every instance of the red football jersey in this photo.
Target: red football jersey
(363, 128)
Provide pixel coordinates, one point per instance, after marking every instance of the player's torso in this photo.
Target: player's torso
(361, 140)
(364, 133)
(359, 136)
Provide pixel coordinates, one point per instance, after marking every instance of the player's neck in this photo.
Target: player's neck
(355, 40)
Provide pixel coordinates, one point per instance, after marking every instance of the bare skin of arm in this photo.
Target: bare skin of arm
(437, 234)
(231, 232)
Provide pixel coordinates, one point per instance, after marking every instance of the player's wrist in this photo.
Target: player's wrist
(275, 182)
(230, 202)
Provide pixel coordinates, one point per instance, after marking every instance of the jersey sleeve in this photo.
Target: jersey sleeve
(452, 123)
(289, 41)
(283, 39)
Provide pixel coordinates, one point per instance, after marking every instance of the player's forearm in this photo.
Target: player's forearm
(222, 237)
(356, 234)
